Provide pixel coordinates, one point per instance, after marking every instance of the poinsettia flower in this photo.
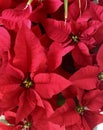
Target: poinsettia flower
(77, 112)
(16, 94)
(74, 37)
(13, 18)
(28, 82)
(24, 40)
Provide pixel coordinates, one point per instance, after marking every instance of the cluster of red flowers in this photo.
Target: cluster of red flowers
(51, 70)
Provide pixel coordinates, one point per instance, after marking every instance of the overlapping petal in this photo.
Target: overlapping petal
(27, 103)
(14, 18)
(57, 30)
(85, 78)
(49, 84)
(56, 53)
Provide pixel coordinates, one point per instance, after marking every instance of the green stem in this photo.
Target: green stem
(29, 2)
(65, 9)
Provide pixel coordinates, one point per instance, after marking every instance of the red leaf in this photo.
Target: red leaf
(27, 103)
(14, 18)
(10, 88)
(29, 54)
(52, 5)
(66, 115)
(93, 100)
(85, 75)
(99, 58)
(57, 30)
(56, 53)
(81, 55)
(4, 40)
(93, 119)
(51, 84)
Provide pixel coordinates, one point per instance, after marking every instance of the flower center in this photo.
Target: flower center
(27, 125)
(80, 109)
(100, 76)
(27, 83)
(75, 38)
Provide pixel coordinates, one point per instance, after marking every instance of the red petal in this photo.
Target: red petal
(10, 88)
(5, 127)
(57, 30)
(98, 36)
(74, 127)
(74, 10)
(65, 115)
(4, 58)
(10, 97)
(93, 119)
(13, 18)
(99, 58)
(11, 76)
(56, 53)
(81, 55)
(51, 84)
(10, 116)
(40, 120)
(37, 13)
(39, 101)
(29, 54)
(27, 103)
(93, 100)
(96, 11)
(52, 5)
(85, 124)
(85, 75)
(4, 39)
